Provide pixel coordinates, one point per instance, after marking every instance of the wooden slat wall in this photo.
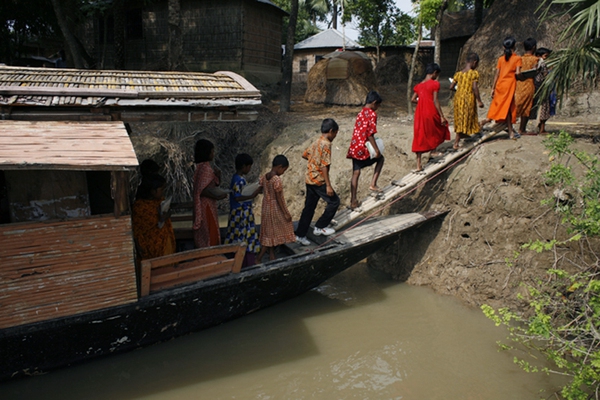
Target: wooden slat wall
(65, 145)
(56, 269)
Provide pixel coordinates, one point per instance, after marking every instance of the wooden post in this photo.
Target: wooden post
(118, 183)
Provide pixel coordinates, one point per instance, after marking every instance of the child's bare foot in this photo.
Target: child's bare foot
(375, 189)
(456, 146)
(355, 205)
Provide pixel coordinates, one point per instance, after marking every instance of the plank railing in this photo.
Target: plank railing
(190, 266)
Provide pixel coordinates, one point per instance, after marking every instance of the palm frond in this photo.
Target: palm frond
(573, 65)
(585, 21)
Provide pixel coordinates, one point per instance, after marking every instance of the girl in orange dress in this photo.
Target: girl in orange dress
(276, 221)
(152, 229)
(526, 88)
(205, 217)
(503, 107)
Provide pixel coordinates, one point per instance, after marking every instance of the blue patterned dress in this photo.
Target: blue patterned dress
(241, 226)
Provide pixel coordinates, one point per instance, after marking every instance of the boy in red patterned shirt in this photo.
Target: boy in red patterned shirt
(365, 129)
(318, 185)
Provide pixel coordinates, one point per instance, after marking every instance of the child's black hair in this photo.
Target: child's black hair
(328, 125)
(472, 57)
(241, 160)
(282, 160)
(541, 51)
(373, 97)
(431, 68)
(509, 45)
(529, 44)
(150, 182)
(149, 166)
(202, 150)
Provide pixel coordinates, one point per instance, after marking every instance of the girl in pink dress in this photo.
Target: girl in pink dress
(276, 221)
(431, 127)
(206, 219)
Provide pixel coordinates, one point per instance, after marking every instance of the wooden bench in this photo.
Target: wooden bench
(190, 266)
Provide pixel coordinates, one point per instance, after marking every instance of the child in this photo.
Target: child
(467, 92)
(205, 217)
(503, 107)
(526, 88)
(365, 129)
(152, 229)
(546, 106)
(318, 184)
(276, 227)
(241, 226)
(431, 127)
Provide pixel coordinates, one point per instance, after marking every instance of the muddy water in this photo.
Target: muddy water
(359, 336)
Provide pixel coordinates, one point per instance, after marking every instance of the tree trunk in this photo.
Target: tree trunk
(119, 33)
(334, 15)
(288, 60)
(175, 38)
(70, 39)
(478, 13)
(438, 33)
(413, 63)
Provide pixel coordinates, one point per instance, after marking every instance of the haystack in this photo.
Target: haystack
(341, 78)
(391, 71)
(517, 18)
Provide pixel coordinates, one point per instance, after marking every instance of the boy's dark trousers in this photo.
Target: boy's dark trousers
(313, 194)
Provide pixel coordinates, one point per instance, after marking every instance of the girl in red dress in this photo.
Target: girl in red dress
(431, 127)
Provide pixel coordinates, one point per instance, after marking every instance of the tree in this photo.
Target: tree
(24, 21)
(579, 59)
(286, 88)
(376, 22)
(175, 59)
(71, 41)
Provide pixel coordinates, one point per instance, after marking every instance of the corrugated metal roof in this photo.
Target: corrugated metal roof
(330, 38)
(20, 86)
(65, 145)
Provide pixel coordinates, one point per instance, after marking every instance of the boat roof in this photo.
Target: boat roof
(65, 145)
(85, 93)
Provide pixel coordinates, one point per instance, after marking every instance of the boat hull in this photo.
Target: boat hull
(40, 347)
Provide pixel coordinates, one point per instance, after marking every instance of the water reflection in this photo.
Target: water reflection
(359, 336)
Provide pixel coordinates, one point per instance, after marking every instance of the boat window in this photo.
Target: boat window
(40, 195)
(98, 185)
(4, 212)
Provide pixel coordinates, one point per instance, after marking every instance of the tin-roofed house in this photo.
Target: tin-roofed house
(311, 50)
(243, 36)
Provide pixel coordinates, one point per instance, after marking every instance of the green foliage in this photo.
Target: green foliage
(563, 320)
(579, 59)
(381, 23)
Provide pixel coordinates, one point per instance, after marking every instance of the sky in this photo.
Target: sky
(351, 32)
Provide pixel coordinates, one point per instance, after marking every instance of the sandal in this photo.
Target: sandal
(435, 154)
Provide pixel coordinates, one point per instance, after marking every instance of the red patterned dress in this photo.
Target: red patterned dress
(274, 229)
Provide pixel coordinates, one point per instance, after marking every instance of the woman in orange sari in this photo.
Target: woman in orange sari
(152, 229)
(206, 179)
(503, 107)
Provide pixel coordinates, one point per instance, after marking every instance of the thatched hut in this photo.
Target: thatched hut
(520, 19)
(341, 78)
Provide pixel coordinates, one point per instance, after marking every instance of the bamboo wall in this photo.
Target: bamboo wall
(56, 269)
(243, 36)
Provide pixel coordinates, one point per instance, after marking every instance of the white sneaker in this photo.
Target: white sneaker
(303, 241)
(323, 231)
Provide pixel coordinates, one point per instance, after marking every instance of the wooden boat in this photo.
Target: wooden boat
(70, 290)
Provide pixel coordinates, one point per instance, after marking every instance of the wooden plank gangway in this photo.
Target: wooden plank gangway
(404, 185)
